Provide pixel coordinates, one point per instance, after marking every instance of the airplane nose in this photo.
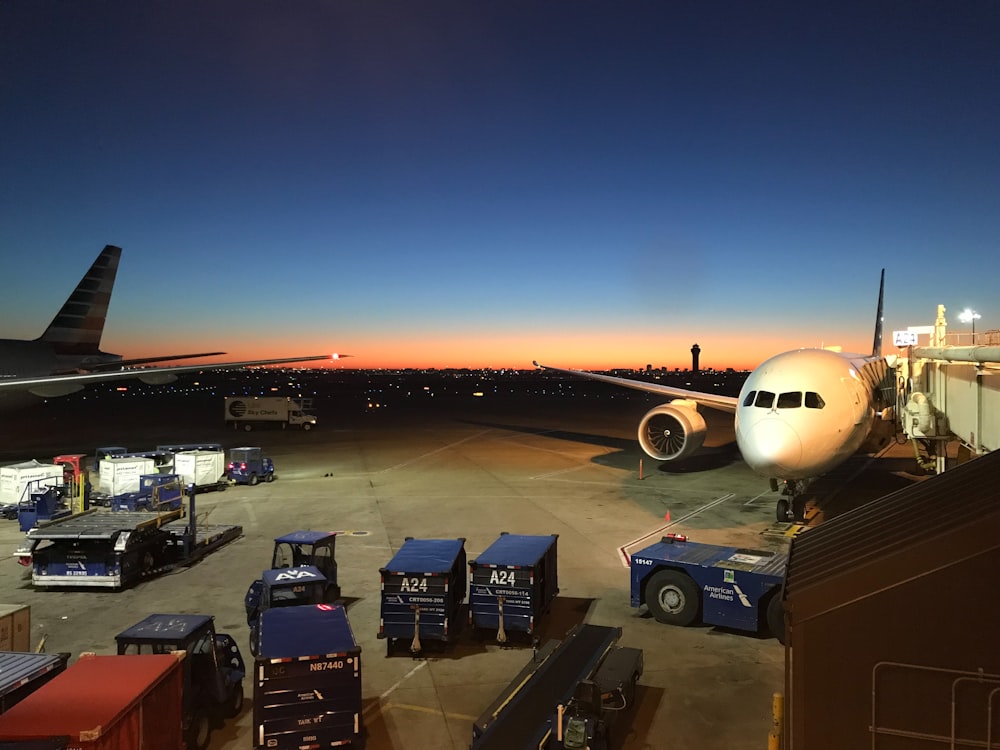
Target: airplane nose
(771, 448)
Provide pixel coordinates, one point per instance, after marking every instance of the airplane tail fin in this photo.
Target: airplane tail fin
(77, 327)
(877, 343)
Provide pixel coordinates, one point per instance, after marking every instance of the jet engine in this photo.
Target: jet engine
(672, 431)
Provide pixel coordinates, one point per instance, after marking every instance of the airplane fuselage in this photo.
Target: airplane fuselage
(803, 412)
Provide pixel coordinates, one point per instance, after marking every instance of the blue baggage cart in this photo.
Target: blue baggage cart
(307, 679)
(423, 587)
(512, 583)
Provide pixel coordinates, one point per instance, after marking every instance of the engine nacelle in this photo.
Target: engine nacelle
(672, 431)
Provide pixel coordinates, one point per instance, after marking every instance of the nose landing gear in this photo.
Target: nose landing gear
(791, 506)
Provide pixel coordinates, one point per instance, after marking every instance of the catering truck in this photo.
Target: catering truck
(250, 412)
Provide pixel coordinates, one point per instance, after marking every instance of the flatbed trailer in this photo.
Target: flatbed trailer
(528, 713)
(682, 582)
(114, 550)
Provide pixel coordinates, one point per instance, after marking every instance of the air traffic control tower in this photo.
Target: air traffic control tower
(695, 351)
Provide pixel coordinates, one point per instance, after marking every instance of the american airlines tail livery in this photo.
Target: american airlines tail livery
(67, 356)
(798, 415)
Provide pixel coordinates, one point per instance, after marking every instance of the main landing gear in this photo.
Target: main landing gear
(791, 506)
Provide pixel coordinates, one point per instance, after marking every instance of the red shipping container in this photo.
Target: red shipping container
(106, 703)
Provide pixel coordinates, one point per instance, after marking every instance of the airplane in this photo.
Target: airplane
(67, 356)
(799, 414)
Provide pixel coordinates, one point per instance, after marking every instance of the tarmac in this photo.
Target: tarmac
(468, 468)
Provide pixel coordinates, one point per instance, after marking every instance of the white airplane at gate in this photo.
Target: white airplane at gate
(798, 415)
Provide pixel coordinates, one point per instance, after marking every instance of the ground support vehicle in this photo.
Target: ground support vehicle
(157, 492)
(512, 583)
(679, 581)
(250, 412)
(307, 680)
(297, 549)
(570, 695)
(104, 549)
(45, 504)
(423, 586)
(213, 669)
(105, 703)
(284, 587)
(76, 480)
(248, 465)
(23, 673)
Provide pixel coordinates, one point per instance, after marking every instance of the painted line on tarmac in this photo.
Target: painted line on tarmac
(425, 710)
(623, 550)
(402, 679)
(422, 456)
(754, 499)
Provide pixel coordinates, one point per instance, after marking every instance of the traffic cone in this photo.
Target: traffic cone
(667, 517)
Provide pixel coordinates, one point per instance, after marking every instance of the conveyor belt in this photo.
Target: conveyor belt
(523, 714)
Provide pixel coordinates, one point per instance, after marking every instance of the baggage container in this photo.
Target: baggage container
(423, 586)
(15, 627)
(202, 468)
(23, 673)
(512, 583)
(15, 479)
(105, 703)
(307, 679)
(120, 474)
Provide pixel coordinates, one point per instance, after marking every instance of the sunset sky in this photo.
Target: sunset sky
(466, 184)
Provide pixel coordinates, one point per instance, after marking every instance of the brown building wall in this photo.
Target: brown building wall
(946, 619)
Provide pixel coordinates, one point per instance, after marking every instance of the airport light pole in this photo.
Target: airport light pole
(970, 316)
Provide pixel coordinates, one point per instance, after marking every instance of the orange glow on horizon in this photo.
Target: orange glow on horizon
(502, 352)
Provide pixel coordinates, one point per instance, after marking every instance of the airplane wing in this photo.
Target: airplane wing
(709, 400)
(51, 386)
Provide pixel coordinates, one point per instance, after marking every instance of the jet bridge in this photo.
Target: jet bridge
(950, 392)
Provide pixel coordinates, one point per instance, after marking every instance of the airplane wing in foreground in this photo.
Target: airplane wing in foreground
(709, 400)
(50, 386)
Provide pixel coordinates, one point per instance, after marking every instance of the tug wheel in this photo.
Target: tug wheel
(673, 597)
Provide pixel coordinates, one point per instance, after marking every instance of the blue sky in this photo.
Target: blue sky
(481, 184)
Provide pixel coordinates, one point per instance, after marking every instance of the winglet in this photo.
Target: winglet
(877, 343)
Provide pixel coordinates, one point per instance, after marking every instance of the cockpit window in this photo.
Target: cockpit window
(791, 400)
(765, 399)
(814, 400)
(748, 401)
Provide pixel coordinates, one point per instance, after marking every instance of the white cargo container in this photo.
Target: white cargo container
(201, 468)
(14, 479)
(121, 475)
(247, 412)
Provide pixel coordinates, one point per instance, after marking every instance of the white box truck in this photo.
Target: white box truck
(204, 469)
(248, 412)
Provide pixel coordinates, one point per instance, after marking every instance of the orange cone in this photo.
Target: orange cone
(667, 517)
